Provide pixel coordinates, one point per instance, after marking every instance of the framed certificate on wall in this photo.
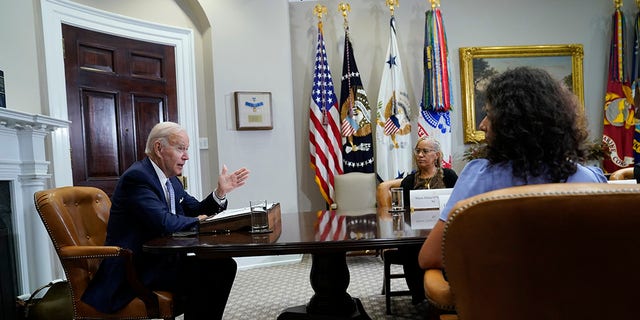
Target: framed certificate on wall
(253, 110)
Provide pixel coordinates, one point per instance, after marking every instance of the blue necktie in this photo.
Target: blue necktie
(172, 197)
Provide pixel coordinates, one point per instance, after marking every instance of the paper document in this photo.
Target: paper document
(235, 212)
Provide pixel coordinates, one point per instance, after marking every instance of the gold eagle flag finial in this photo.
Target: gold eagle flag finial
(617, 3)
(344, 8)
(434, 3)
(319, 10)
(396, 3)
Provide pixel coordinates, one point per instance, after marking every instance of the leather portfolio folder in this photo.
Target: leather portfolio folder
(238, 219)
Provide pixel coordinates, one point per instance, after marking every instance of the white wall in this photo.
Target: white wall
(467, 23)
(251, 52)
(19, 55)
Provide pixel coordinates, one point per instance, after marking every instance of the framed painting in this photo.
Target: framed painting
(479, 64)
(253, 110)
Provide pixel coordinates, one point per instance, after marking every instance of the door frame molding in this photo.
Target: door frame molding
(56, 12)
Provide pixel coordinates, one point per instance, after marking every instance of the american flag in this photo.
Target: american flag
(324, 130)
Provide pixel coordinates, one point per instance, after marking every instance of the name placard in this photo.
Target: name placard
(426, 206)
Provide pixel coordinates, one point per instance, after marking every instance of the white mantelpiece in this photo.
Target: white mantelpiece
(23, 163)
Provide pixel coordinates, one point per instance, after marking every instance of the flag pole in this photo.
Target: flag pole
(320, 10)
(394, 102)
(344, 8)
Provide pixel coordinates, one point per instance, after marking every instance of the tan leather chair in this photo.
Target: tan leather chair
(551, 251)
(622, 174)
(76, 220)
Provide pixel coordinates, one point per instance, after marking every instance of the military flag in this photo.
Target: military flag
(635, 87)
(393, 133)
(355, 113)
(619, 120)
(324, 128)
(437, 96)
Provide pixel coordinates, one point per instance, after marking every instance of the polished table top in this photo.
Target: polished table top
(322, 231)
(327, 235)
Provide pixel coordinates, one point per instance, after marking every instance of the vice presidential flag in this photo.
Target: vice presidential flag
(324, 129)
(393, 132)
(619, 120)
(437, 97)
(355, 113)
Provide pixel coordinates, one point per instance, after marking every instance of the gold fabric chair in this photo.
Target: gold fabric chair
(622, 174)
(550, 251)
(76, 220)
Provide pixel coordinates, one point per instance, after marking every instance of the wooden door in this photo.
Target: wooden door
(117, 90)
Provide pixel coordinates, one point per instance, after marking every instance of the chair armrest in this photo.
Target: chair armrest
(383, 192)
(88, 252)
(437, 290)
(149, 298)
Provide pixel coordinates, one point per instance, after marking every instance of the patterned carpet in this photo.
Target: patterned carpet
(263, 293)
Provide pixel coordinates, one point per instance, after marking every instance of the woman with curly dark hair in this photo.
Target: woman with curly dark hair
(535, 133)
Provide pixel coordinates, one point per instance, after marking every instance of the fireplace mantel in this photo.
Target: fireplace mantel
(23, 162)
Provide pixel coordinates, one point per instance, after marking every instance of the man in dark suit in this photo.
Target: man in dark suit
(149, 202)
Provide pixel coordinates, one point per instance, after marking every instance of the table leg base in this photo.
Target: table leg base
(300, 313)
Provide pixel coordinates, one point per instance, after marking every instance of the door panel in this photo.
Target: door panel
(101, 141)
(117, 90)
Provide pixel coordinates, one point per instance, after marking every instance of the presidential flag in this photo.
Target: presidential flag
(393, 133)
(355, 113)
(437, 96)
(619, 120)
(324, 129)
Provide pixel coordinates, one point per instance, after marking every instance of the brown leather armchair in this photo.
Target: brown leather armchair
(76, 220)
(551, 251)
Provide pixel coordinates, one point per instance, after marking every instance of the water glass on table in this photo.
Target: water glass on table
(259, 217)
(397, 199)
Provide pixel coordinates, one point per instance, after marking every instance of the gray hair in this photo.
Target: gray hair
(162, 132)
(431, 140)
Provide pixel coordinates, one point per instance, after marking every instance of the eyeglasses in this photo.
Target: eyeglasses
(418, 151)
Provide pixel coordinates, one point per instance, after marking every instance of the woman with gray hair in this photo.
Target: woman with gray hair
(429, 174)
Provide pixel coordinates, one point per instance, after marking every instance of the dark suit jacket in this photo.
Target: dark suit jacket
(139, 213)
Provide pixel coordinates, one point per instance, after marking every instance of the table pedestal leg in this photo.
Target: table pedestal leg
(329, 279)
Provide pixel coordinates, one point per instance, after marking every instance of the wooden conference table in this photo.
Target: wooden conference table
(326, 235)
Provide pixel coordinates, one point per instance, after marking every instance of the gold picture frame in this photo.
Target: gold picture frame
(557, 59)
(253, 110)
